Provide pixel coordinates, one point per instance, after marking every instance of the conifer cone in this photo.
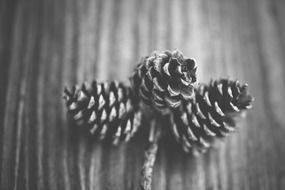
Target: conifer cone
(108, 109)
(163, 79)
(212, 113)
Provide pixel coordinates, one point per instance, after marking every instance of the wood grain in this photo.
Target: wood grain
(46, 45)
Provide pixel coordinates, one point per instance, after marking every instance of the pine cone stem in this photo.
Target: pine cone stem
(150, 156)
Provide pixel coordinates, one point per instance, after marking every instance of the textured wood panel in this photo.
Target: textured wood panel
(46, 45)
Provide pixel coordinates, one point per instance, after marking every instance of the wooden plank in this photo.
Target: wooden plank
(47, 45)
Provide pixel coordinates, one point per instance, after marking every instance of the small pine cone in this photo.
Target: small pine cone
(108, 109)
(212, 113)
(163, 79)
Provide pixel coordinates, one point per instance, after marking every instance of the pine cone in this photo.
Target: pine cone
(164, 79)
(212, 113)
(108, 109)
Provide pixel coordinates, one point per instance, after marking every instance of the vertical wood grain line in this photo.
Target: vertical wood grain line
(105, 41)
(69, 77)
(81, 75)
(65, 129)
(113, 160)
(152, 28)
(269, 91)
(95, 150)
(119, 67)
(12, 104)
(78, 175)
(114, 44)
(30, 120)
(57, 82)
(7, 10)
(50, 115)
(22, 109)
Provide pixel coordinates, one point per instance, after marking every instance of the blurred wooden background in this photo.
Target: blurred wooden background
(46, 45)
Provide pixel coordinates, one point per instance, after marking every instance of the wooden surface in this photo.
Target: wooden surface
(46, 45)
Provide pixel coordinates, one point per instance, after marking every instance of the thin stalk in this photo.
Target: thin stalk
(150, 156)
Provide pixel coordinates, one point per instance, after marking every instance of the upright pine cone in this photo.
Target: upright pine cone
(210, 114)
(163, 79)
(108, 109)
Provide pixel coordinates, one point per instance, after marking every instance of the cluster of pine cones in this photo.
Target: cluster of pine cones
(163, 83)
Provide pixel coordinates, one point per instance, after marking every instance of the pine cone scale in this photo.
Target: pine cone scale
(169, 73)
(165, 82)
(105, 108)
(210, 113)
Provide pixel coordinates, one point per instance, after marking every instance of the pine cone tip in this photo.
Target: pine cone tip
(163, 79)
(245, 98)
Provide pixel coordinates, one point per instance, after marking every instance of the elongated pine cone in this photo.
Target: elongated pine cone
(108, 109)
(163, 79)
(212, 113)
